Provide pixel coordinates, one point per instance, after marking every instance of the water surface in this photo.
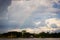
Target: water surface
(30, 39)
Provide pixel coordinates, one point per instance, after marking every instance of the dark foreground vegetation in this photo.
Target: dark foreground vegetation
(25, 34)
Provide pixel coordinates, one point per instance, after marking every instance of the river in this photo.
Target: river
(30, 39)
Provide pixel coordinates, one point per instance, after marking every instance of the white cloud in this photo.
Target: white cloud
(35, 30)
(20, 10)
(53, 21)
(37, 23)
(19, 30)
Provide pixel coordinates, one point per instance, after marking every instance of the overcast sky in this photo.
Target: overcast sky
(30, 15)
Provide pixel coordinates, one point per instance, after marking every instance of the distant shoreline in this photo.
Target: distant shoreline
(25, 34)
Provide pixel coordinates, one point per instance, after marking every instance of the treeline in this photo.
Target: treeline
(25, 34)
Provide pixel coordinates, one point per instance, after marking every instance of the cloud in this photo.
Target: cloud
(37, 23)
(46, 28)
(53, 21)
(19, 11)
(3, 14)
(32, 15)
(35, 30)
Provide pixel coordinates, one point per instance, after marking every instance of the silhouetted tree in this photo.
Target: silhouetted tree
(25, 34)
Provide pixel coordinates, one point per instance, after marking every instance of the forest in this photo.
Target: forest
(24, 34)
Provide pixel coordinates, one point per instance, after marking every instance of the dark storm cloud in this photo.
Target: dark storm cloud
(3, 6)
(3, 13)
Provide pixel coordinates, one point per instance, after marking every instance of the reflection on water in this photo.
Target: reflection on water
(31, 39)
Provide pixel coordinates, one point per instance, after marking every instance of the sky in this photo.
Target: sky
(34, 16)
